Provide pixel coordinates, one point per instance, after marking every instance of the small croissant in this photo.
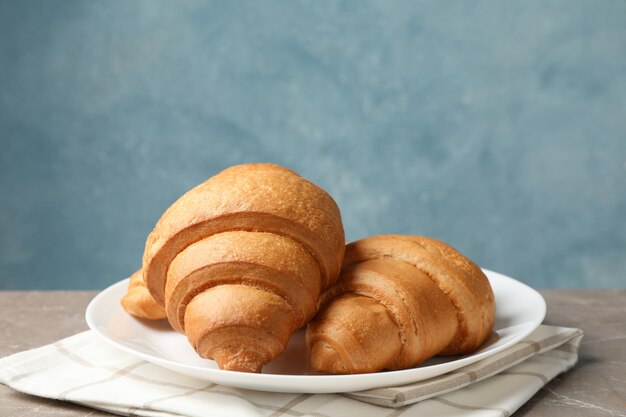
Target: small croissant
(399, 301)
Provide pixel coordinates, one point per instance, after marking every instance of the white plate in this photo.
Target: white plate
(519, 310)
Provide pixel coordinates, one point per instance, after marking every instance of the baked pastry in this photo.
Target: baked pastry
(400, 300)
(240, 260)
(138, 300)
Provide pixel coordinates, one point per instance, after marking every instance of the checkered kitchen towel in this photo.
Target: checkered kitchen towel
(85, 370)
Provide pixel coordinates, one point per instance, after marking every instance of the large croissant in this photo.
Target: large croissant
(400, 300)
(240, 260)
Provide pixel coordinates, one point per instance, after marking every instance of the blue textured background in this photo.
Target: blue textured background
(499, 127)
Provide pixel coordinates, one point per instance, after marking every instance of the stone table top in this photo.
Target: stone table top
(596, 386)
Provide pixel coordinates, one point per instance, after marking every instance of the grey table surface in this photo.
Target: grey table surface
(596, 386)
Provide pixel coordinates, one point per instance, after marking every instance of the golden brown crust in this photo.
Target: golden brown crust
(438, 301)
(364, 325)
(252, 197)
(239, 261)
(457, 276)
(247, 328)
(263, 260)
(138, 301)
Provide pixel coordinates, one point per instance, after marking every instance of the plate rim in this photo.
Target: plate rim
(297, 383)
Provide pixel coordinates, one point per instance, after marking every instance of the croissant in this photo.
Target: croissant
(138, 300)
(399, 300)
(239, 262)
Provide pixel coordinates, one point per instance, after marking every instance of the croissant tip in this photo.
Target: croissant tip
(240, 360)
(324, 358)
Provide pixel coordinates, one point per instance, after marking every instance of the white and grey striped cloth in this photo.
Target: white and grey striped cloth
(85, 370)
